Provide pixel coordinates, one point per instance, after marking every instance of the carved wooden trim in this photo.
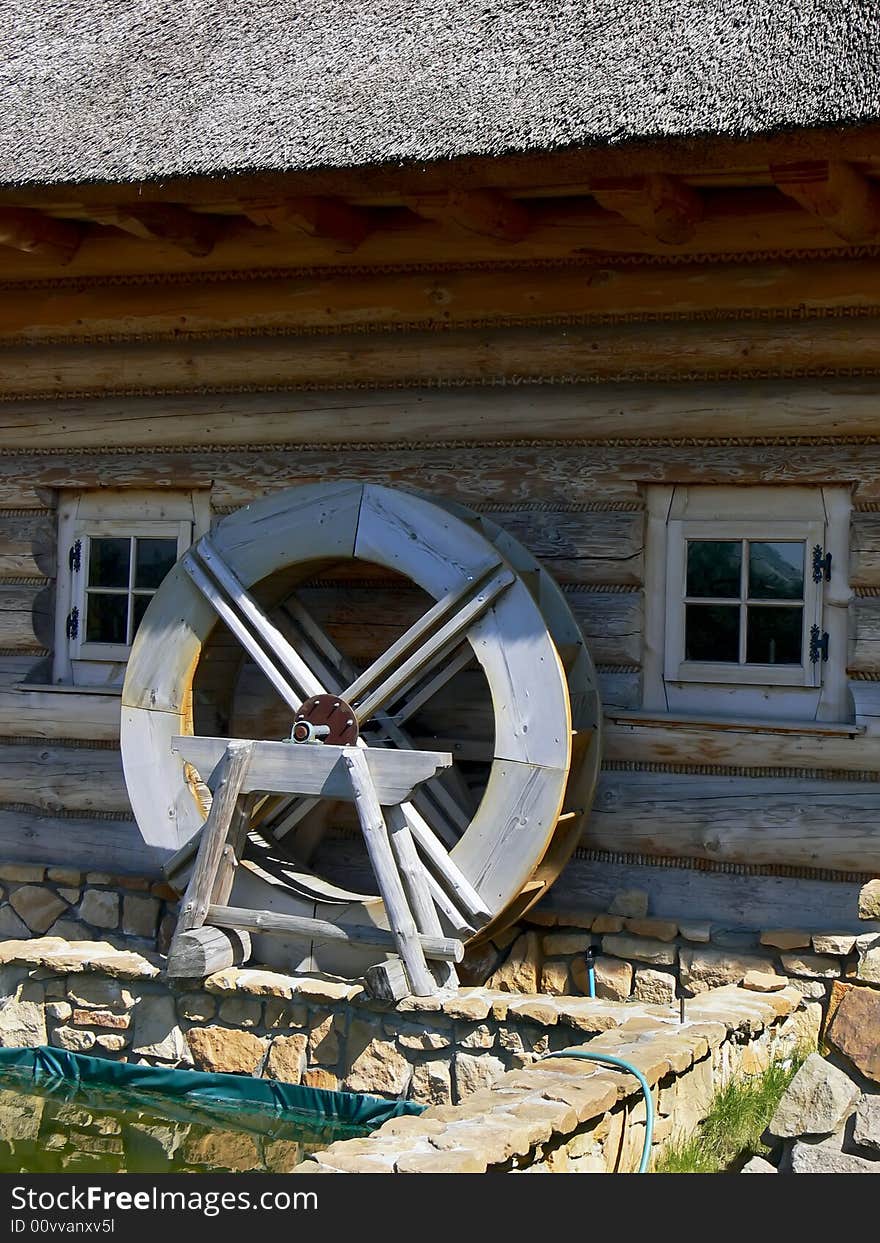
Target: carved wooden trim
(709, 865)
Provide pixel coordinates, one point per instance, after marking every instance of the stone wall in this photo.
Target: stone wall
(36, 901)
(566, 1116)
(662, 960)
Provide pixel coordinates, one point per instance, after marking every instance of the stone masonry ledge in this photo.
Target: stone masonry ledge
(54, 954)
(568, 1115)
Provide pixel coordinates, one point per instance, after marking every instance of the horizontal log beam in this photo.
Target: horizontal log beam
(484, 212)
(772, 821)
(98, 845)
(595, 412)
(67, 779)
(192, 232)
(689, 744)
(317, 216)
(443, 948)
(442, 299)
(59, 714)
(656, 351)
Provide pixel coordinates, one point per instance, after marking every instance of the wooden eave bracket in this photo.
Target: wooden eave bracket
(316, 215)
(836, 192)
(22, 228)
(662, 206)
(190, 231)
(486, 212)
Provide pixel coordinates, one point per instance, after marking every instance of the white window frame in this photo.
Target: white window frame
(80, 648)
(181, 515)
(676, 667)
(820, 514)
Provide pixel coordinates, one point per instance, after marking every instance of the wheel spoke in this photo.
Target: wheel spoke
(435, 646)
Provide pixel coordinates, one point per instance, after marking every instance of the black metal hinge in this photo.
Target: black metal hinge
(818, 645)
(821, 565)
(74, 559)
(73, 623)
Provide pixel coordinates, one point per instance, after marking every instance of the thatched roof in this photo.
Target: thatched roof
(119, 90)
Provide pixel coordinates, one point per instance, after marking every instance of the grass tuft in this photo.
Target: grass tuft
(732, 1129)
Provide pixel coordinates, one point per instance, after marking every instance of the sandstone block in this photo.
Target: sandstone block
(281, 1013)
(867, 1126)
(111, 1042)
(100, 908)
(702, 969)
(431, 1085)
(520, 972)
(869, 900)
(535, 1009)
(317, 1077)
(642, 950)
(657, 929)
(474, 1036)
(818, 1100)
(378, 1067)
(613, 978)
(473, 1072)
(812, 966)
(64, 876)
(441, 1163)
(100, 1018)
(558, 944)
(156, 1033)
(474, 1006)
(869, 959)
(11, 927)
(241, 1011)
(251, 980)
(555, 977)
(73, 1039)
(287, 1058)
(58, 1011)
(655, 986)
(96, 992)
(70, 930)
(833, 943)
(757, 1165)
(196, 1007)
(828, 1159)
(22, 1022)
(222, 1049)
(696, 930)
(608, 923)
(763, 982)
(420, 1038)
(38, 907)
(853, 1030)
(140, 915)
(324, 1039)
(22, 872)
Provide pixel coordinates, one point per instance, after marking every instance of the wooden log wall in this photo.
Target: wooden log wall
(552, 427)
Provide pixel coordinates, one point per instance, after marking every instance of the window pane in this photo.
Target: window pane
(106, 617)
(153, 559)
(139, 604)
(776, 571)
(108, 562)
(773, 636)
(713, 568)
(711, 632)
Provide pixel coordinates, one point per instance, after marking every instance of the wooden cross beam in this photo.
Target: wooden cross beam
(486, 212)
(316, 215)
(193, 232)
(661, 206)
(836, 192)
(31, 231)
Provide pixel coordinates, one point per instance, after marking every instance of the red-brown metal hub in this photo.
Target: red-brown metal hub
(334, 712)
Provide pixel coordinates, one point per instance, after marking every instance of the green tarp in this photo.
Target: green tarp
(57, 1070)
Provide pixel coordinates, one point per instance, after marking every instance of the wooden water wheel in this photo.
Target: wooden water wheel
(358, 616)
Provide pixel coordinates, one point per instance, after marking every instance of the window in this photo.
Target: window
(742, 593)
(115, 548)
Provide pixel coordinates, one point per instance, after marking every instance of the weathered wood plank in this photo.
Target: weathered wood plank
(90, 845)
(72, 779)
(738, 748)
(628, 351)
(726, 899)
(864, 631)
(612, 624)
(795, 821)
(56, 714)
(764, 407)
(27, 616)
(320, 301)
(864, 550)
(510, 475)
(619, 687)
(316, 769)
(28, 544)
